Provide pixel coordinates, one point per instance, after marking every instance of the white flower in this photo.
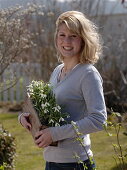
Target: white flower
(68, 116)
(30, 87)
(43, 95)
(61, 119)
(39, 93)
(75, 127)
(57, 108)
(57, 124)
(43, 106)
(9, 134)
(47, 104)
(45, 111)
(51, 121)
(73, 123)
(5, 134)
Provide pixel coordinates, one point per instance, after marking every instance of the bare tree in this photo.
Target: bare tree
(15, 39)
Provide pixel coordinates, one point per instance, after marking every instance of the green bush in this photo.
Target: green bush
(1, 167)
(7, 150)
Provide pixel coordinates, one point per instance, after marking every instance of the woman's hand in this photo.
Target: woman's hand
(24, 119)
(43, 138)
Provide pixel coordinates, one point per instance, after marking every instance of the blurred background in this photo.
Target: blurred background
(27, 53)
(27, 49)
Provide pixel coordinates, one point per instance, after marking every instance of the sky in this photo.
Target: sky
(114, 4)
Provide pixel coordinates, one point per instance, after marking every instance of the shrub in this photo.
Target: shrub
(115, 123)
(1, 167)
(7, 150)
(115, 85)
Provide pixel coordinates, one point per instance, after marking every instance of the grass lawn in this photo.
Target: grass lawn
(29, 157)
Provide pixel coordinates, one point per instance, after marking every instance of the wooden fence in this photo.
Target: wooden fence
(18, 76)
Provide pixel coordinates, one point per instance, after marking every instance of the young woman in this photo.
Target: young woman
(77, 86)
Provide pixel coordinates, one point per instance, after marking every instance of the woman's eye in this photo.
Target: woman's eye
(74, 36)
(61, 35)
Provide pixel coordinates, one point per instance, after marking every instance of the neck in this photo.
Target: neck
(68, 65)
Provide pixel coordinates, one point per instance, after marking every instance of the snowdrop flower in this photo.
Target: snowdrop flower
(45, 111)
(51, 121)
(57, 108)
(30, 87)
(61, 119)
(57, 124)
(43, 95)
(43, 106)
(43, 100)
(47, 104)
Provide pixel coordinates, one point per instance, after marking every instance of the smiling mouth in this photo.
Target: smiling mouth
(67, 48)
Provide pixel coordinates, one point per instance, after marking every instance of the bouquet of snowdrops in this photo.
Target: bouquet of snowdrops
(44, 103)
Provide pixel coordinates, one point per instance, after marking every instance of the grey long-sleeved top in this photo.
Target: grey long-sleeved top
(81, 94)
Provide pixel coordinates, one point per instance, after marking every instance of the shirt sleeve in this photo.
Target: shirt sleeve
(19, 117)
(92, 90)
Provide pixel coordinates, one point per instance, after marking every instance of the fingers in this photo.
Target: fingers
(41, 142)
(38, 140)
(43, 138)
(28, 126)
(25, 121)
(42, 145)
(38, 134)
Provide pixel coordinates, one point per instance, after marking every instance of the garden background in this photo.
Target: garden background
(27, 52)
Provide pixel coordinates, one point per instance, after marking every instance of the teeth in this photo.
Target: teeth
(67, 48)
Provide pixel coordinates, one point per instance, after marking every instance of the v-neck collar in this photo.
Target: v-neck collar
(68, 75)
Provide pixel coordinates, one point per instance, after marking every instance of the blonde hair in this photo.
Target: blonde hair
(79, 24)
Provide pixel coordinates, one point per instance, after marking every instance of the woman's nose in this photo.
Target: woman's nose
(67, 39)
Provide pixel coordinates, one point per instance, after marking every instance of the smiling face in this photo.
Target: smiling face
(69, 44)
